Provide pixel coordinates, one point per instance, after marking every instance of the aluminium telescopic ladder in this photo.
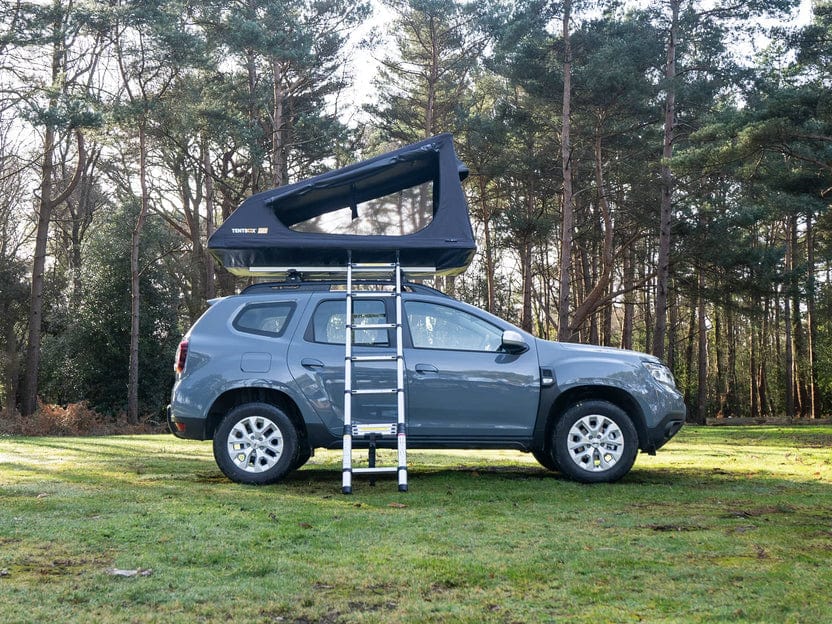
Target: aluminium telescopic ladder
(374, 431)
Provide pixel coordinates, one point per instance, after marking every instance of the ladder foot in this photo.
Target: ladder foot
(347, 489)
(403, 488)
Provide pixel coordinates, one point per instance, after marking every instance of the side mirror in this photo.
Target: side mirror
(513, 342)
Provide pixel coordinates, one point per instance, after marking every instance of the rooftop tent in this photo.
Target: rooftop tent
(408, 201)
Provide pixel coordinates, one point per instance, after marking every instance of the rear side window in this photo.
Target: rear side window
(264, 319)
(329, 323)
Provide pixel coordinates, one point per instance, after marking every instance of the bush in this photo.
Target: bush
(76, 419)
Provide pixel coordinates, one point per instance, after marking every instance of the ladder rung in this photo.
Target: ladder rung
(374, 358)
(375, 294)
(375, 268)
(378, 469)
(375, 391)
(372, 326)
(384, 429)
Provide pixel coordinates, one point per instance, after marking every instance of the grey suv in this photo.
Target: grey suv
(262, 374)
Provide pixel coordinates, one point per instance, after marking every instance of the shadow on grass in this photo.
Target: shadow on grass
(690, 482)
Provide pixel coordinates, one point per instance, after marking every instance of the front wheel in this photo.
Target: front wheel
(546, 458)
(595, 442)
(256, 444)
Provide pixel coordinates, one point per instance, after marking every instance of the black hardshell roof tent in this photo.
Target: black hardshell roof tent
(408, 202)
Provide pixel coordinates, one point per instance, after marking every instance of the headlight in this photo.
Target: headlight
(661, 373)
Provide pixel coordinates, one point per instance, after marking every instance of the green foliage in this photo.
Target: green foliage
(14, 294)
(424, 77)
(290, 50)
(88, 359)
(33, 30)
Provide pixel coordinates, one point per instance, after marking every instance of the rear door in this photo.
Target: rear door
(316, 361)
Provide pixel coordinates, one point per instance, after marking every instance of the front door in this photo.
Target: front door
(461, 387)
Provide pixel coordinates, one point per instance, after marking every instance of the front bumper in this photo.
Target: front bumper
(659, 435)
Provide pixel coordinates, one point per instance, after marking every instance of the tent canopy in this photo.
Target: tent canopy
(411, 199)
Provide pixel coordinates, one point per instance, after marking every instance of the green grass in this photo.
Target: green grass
(724, 525)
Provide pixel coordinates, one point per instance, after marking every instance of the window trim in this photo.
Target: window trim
(309, 334)
(265, 304)
(409, 333)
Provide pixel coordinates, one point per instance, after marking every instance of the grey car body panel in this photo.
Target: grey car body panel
(455, 399)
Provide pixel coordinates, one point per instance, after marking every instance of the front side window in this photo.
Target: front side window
(329, 323)
(264, 319)
(434, 326)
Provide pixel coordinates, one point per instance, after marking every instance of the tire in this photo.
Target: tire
(546, 458)
(256, 444)
(595, 442)
(304, 453)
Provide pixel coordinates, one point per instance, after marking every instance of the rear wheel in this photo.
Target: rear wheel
(256, 444)
(595, 442)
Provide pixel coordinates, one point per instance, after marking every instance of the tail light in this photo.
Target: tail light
(181, 356)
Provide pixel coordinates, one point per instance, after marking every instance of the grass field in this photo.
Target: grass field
(724, 525)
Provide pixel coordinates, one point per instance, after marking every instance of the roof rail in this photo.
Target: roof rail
(333, 285)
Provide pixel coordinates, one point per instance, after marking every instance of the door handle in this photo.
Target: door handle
(311, 363)
(426, 368)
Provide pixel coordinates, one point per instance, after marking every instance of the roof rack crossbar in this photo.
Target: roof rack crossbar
(364, 270)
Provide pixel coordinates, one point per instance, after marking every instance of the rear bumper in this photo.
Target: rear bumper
(185, 428)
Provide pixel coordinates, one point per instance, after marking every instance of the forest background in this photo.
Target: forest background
(645, 175)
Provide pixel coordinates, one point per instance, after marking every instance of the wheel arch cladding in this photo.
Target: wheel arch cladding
(240, 396)
(616, 396)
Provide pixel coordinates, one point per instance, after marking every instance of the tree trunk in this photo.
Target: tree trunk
(762, 381)
(732, 378)
(789, 362)
(721, 383)
(666, 210)
(489, 251)
(799, 351)
(596, 291)
(567, 221)
(135, 274)
(47, 203)
(752, 373)
(688, 388)
(30, 378)
(433, 81)
(671, 332)
(607, 322)
(811, 330)
(279, 156)
(702, 384)
(251, 70)
(629, 300)
(210, 285)
(526, 273)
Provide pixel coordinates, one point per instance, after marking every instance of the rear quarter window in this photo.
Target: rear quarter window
(264, 319)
